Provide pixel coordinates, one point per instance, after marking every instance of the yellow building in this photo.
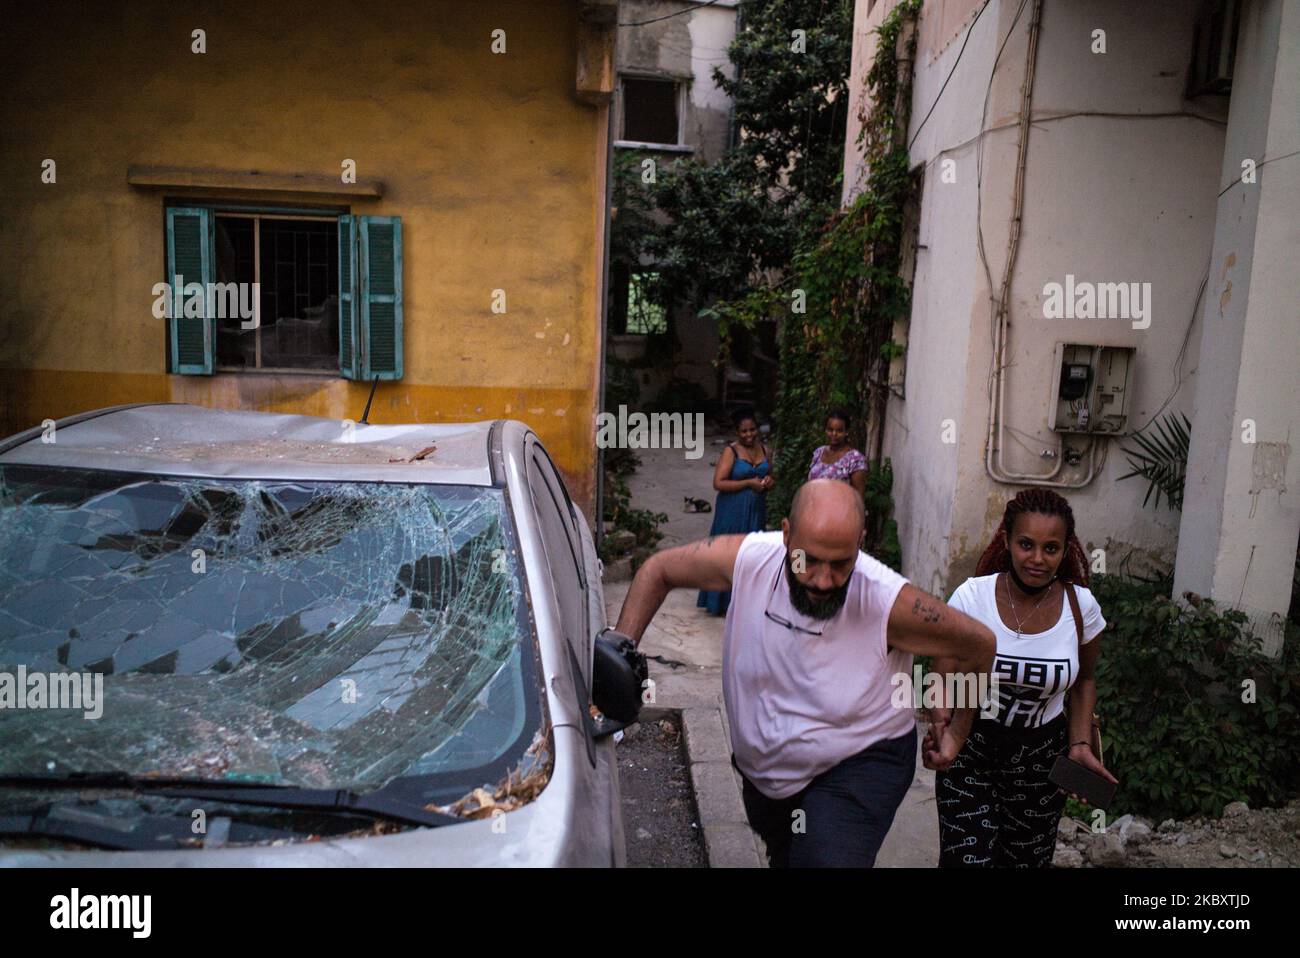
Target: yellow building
(416, 189)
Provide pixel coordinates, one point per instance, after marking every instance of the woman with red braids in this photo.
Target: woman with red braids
(996, 806)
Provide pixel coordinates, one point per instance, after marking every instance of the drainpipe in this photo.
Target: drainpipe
(599, 530)
(997, 388)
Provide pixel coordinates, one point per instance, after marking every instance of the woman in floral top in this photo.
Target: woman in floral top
(837, 459)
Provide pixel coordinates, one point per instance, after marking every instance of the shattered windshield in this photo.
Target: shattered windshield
(319, 634)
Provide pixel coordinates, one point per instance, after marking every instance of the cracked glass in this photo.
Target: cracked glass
(319, 634)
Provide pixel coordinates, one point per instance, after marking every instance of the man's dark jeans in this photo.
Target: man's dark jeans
(846, 810)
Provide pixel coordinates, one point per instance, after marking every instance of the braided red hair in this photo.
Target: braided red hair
(1044, 502)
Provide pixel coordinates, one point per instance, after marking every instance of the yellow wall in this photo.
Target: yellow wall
(494, 166)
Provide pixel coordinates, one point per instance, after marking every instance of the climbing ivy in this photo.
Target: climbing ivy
(837, 304)
(758, 235)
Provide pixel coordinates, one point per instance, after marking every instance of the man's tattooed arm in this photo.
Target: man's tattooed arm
(924, 625)
(706, 564)
(925, 609)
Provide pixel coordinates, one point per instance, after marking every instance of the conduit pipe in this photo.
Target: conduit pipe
(997, 387)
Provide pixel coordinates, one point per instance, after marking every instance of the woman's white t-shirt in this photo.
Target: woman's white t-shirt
(1034, 671)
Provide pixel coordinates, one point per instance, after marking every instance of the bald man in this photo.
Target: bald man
(815, 632)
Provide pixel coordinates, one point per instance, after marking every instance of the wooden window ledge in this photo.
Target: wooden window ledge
(242, 180)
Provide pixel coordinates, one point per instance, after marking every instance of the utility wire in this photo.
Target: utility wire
(969, 30)
(979, 183)
(1052, 117)
(1274, 159)
(669, 16)
(1182, 353)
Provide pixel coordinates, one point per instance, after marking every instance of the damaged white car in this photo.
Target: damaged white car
(237, 638)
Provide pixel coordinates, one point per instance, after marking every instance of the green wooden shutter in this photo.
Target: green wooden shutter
(349, 353)
(380, 259)
(189, 260)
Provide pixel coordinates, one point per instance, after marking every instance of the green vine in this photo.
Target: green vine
(837, 305)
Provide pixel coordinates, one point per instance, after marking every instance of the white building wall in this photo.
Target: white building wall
(1241, 517)
(711, 31)
(1107, 199)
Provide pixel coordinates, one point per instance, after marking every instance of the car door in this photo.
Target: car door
(562, 543)
(574, 573)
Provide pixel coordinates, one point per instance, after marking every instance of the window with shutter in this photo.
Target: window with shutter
(277, 288)
(189, 261)
(349, 353)
(380, 261)
(284, 268)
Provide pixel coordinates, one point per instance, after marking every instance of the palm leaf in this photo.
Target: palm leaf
(1161, 459)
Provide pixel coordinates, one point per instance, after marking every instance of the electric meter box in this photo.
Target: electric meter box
(1091, 387)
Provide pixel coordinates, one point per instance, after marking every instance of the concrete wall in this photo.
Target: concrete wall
(494, 165)
(685, 47)
(1108, 198)
(1241, 517)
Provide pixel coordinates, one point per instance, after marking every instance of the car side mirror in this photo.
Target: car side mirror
(619, 672)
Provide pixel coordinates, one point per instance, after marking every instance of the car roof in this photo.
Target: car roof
(185, 440)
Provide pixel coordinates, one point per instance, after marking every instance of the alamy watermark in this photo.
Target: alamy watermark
(959, 690)
(660, 430)
(76, 911)
(212, 300)
(53, 690)
(1098, 301)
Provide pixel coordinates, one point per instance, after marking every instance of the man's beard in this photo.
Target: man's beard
(806, 604)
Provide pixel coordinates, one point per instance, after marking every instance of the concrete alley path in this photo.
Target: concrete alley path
(689, 641)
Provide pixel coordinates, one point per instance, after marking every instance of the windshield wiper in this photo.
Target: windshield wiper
(373, 805)
(63, 823)
(369, 804)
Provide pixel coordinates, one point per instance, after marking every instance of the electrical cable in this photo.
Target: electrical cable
(979, 137)
(979, 182)
(669, 16)
(1259, 166)
(1182, 353)
(969, 30)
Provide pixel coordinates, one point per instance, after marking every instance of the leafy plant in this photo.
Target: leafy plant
(1162, 459)
(710, 227)
(836, 352)
(621, 389)
(882, 530)
(742, 240)
(642, 523)
(632, 217)
(1193, 714)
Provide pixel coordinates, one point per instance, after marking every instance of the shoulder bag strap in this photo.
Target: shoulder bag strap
(1078, 628)
(1074, 610)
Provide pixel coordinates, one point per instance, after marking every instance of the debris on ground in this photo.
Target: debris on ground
(660, 822)
(1242, 837)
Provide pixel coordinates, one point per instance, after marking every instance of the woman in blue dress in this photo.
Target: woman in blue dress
(742, 477)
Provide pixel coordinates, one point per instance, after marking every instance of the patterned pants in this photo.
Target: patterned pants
(996, 806)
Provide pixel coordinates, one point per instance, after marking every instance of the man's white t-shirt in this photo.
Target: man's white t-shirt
(799, 704)
(1033, 671)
